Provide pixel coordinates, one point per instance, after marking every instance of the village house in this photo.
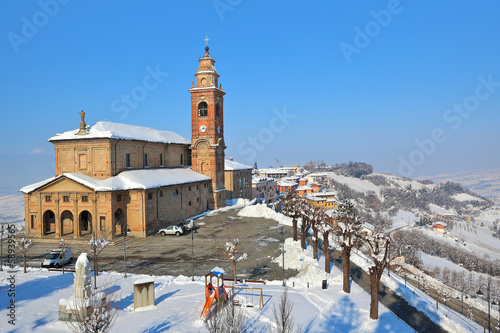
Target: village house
(238, 180)
(264, 190)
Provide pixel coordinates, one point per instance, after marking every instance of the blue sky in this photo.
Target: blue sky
(411, 87)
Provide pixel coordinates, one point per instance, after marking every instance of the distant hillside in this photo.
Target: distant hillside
(485, 183)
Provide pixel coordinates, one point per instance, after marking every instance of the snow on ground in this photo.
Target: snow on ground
(356, 184)
(261, 210)
(466, 197)
(179, 301)
(445, 317)
(403, 219)
(440, 210)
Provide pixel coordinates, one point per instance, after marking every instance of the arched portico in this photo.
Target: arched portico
(68, 226)
(120, 222)
(49, 223)
(85, 223)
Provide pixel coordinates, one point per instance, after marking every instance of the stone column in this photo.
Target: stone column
(57, 220)
(76, 219)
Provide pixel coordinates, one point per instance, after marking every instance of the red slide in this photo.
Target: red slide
(208, 304)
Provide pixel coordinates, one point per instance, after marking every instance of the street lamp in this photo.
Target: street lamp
(479, 292)
(193, 231)
(1, 251)
(282, 232)
(125, 251)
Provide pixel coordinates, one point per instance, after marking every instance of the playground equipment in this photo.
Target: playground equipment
(213, 292)
(261, 299)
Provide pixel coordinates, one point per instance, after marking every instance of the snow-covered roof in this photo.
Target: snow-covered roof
(273, 170)
(128, 180)
(232, 165)
(440, 224)
(304, 188)
(285, 183)
(108, 130)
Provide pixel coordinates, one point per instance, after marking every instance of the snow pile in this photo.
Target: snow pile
(261, 210)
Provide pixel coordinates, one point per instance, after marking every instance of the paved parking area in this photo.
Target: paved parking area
(171, 255)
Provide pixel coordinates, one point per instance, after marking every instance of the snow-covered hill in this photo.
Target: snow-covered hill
(12, 208)
(485, 183)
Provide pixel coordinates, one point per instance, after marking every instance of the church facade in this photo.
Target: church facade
(115, 177)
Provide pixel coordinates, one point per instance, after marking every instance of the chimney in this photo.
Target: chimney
(231, 159)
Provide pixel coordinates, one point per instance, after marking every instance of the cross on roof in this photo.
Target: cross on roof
(206, 40)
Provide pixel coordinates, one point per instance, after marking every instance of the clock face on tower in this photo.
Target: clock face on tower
(218, 129)
(203, 82)
(203, 128)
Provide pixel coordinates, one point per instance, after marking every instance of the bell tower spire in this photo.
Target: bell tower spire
(207, 127)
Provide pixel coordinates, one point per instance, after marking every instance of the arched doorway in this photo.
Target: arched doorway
(67, 223)
(49, 222)
(85, 222)
(120, 222)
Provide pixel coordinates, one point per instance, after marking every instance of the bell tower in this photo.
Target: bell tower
(207, 126)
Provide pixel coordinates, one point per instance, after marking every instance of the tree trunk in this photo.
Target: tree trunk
(346, 255)
(303, 235)
(315, 243)
(24, 261)
(326, 245)
(374, 295)
(294, 222)
(234, 270)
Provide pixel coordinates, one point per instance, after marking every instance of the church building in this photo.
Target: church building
(112, 177)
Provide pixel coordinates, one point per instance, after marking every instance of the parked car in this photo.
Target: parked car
(189, 225)
(172, 230)
(56, 259)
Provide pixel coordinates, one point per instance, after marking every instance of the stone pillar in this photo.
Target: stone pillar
(57, 220)
(76, 219)
(144, 293)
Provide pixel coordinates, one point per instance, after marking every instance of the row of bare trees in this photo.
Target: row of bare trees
(346, 225)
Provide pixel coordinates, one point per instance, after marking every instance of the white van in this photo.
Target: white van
(55, 258)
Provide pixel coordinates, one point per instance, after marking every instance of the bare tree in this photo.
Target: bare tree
(291, 209)
(24, 245)
(96, 245)
(283, 315)
(326, 227)
(229, 319)
(232, 254)
(348, 229)
(306, 221)
(97, 313)
(378, 246)
(317, 216)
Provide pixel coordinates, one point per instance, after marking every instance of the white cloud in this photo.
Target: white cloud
(37, 151)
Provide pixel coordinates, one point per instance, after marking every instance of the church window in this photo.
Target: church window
(127, 160)
(146, 160)
(189, 203)
(32, 221)
(85, 198)
(161, 159)
(66, 198)
(118, 197)
(176, 192)
(82, 161)
(102, 222)
(150, 196)
(161, 193)
(202, 109)
(48, 198)
(182, 159)
(189, 188)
